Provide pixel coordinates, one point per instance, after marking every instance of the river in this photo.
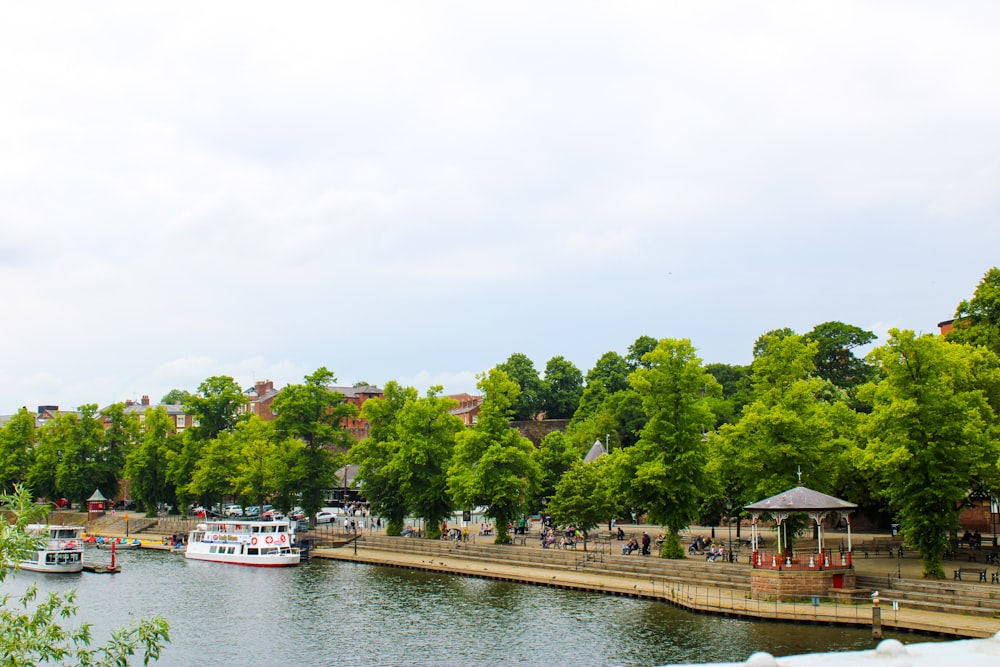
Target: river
(335, 613)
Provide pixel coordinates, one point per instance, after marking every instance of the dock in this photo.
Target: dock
(100, 568)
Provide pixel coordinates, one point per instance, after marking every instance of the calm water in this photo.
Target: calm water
(331, 613)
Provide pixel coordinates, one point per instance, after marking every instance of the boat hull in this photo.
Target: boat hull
(68, 568)
(278, 560)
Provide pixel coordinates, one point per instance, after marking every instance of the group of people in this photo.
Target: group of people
(641, 545)
(974, 540)
(567, 540)
(704, 546)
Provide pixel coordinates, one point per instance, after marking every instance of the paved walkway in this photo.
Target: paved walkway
(689, 595)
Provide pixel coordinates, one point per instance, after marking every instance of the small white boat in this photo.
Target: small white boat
(237, 542)
(119, 546)
(62, 551)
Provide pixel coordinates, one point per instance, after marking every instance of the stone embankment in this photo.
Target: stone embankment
(943, 608)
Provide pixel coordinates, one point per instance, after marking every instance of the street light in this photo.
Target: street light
(729, 523)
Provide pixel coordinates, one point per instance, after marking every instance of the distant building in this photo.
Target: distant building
(263, 393)
(468, 408)
(181, 420)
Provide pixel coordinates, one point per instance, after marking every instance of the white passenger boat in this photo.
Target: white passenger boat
(238, 542)
(61, 552)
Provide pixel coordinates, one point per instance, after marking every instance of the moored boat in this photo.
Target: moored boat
(61, 552)
(118, 545)
(237, 542)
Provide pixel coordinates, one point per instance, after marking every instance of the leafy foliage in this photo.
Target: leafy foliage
(493, 465)
(561, 389)
(667, 465)
(521, 370)
(977, 320)
(30, 629)
(932, 436)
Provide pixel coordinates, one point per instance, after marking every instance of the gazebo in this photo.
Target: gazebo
(95, 504)
(782, 572)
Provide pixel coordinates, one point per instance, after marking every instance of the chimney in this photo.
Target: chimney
(145, 401)
(263, 386)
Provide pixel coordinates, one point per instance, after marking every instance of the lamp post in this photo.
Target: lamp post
(729, 523)
(355, 539)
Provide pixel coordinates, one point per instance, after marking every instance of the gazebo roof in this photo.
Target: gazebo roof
(98, 497)
(800, 499)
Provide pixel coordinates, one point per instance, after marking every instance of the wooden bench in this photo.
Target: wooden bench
(981, 571)
(519, 539)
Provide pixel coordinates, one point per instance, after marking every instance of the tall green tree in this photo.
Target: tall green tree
(31, 630)
(77, 474)
(314, 414)
(583, 496)
(257, 473)
(608, 376)
(17, 444)
(977, 320)
(795, 422)
(493, 465)
(120, 435)
(637, 351)
(667, 464)
(377, 456)
(427, 432)
(736, 392)
(521, 370)
(556, 454)
(835, 360)
(561, 388)
(147, 464)
(932, 436)
(218, 406)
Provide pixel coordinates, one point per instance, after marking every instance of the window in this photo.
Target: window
(181, 421)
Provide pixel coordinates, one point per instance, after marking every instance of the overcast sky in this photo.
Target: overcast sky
(415, 191)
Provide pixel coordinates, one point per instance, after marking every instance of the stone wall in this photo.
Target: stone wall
(779, 584)
(536, 430)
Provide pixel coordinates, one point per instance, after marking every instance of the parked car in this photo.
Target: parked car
(232, 510)
(324, 517)
(252, 511)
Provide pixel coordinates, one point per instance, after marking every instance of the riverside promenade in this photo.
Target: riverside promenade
(957, 609)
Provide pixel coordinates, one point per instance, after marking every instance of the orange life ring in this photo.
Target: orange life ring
(215, 538)
(253, 540)
(282, 540)
(269, 539)
(71, 544)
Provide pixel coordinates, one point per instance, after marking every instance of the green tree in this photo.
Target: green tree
(120, 434)
(521, 370)
(217, 407)
(608, 376)
(30, 629)
(932, 436)
(259, 460)
(213, 476)
(835, 360)
(146, 465)
(561, 389)
(77, 473)
(736, 392)
(642, 346)
(41, 475)
(556, 454)
(795, 422)
(667, 464)
(314, 414)
(175, 397)
(17, 444)
(977, 320)
(427, 430)
(582, 497)
(377, 456)
(493, 465)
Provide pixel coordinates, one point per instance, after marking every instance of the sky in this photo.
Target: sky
(415, 191)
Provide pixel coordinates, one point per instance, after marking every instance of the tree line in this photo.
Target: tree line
(910, 431)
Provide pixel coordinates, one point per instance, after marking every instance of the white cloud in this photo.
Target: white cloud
(255, 191)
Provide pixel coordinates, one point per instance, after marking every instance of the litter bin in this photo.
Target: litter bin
(895, 529)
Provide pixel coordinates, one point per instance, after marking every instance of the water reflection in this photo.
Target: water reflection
(326, 613)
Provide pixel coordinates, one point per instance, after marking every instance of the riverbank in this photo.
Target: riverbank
(696, 588)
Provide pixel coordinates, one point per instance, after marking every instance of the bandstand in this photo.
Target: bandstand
(782, 572)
